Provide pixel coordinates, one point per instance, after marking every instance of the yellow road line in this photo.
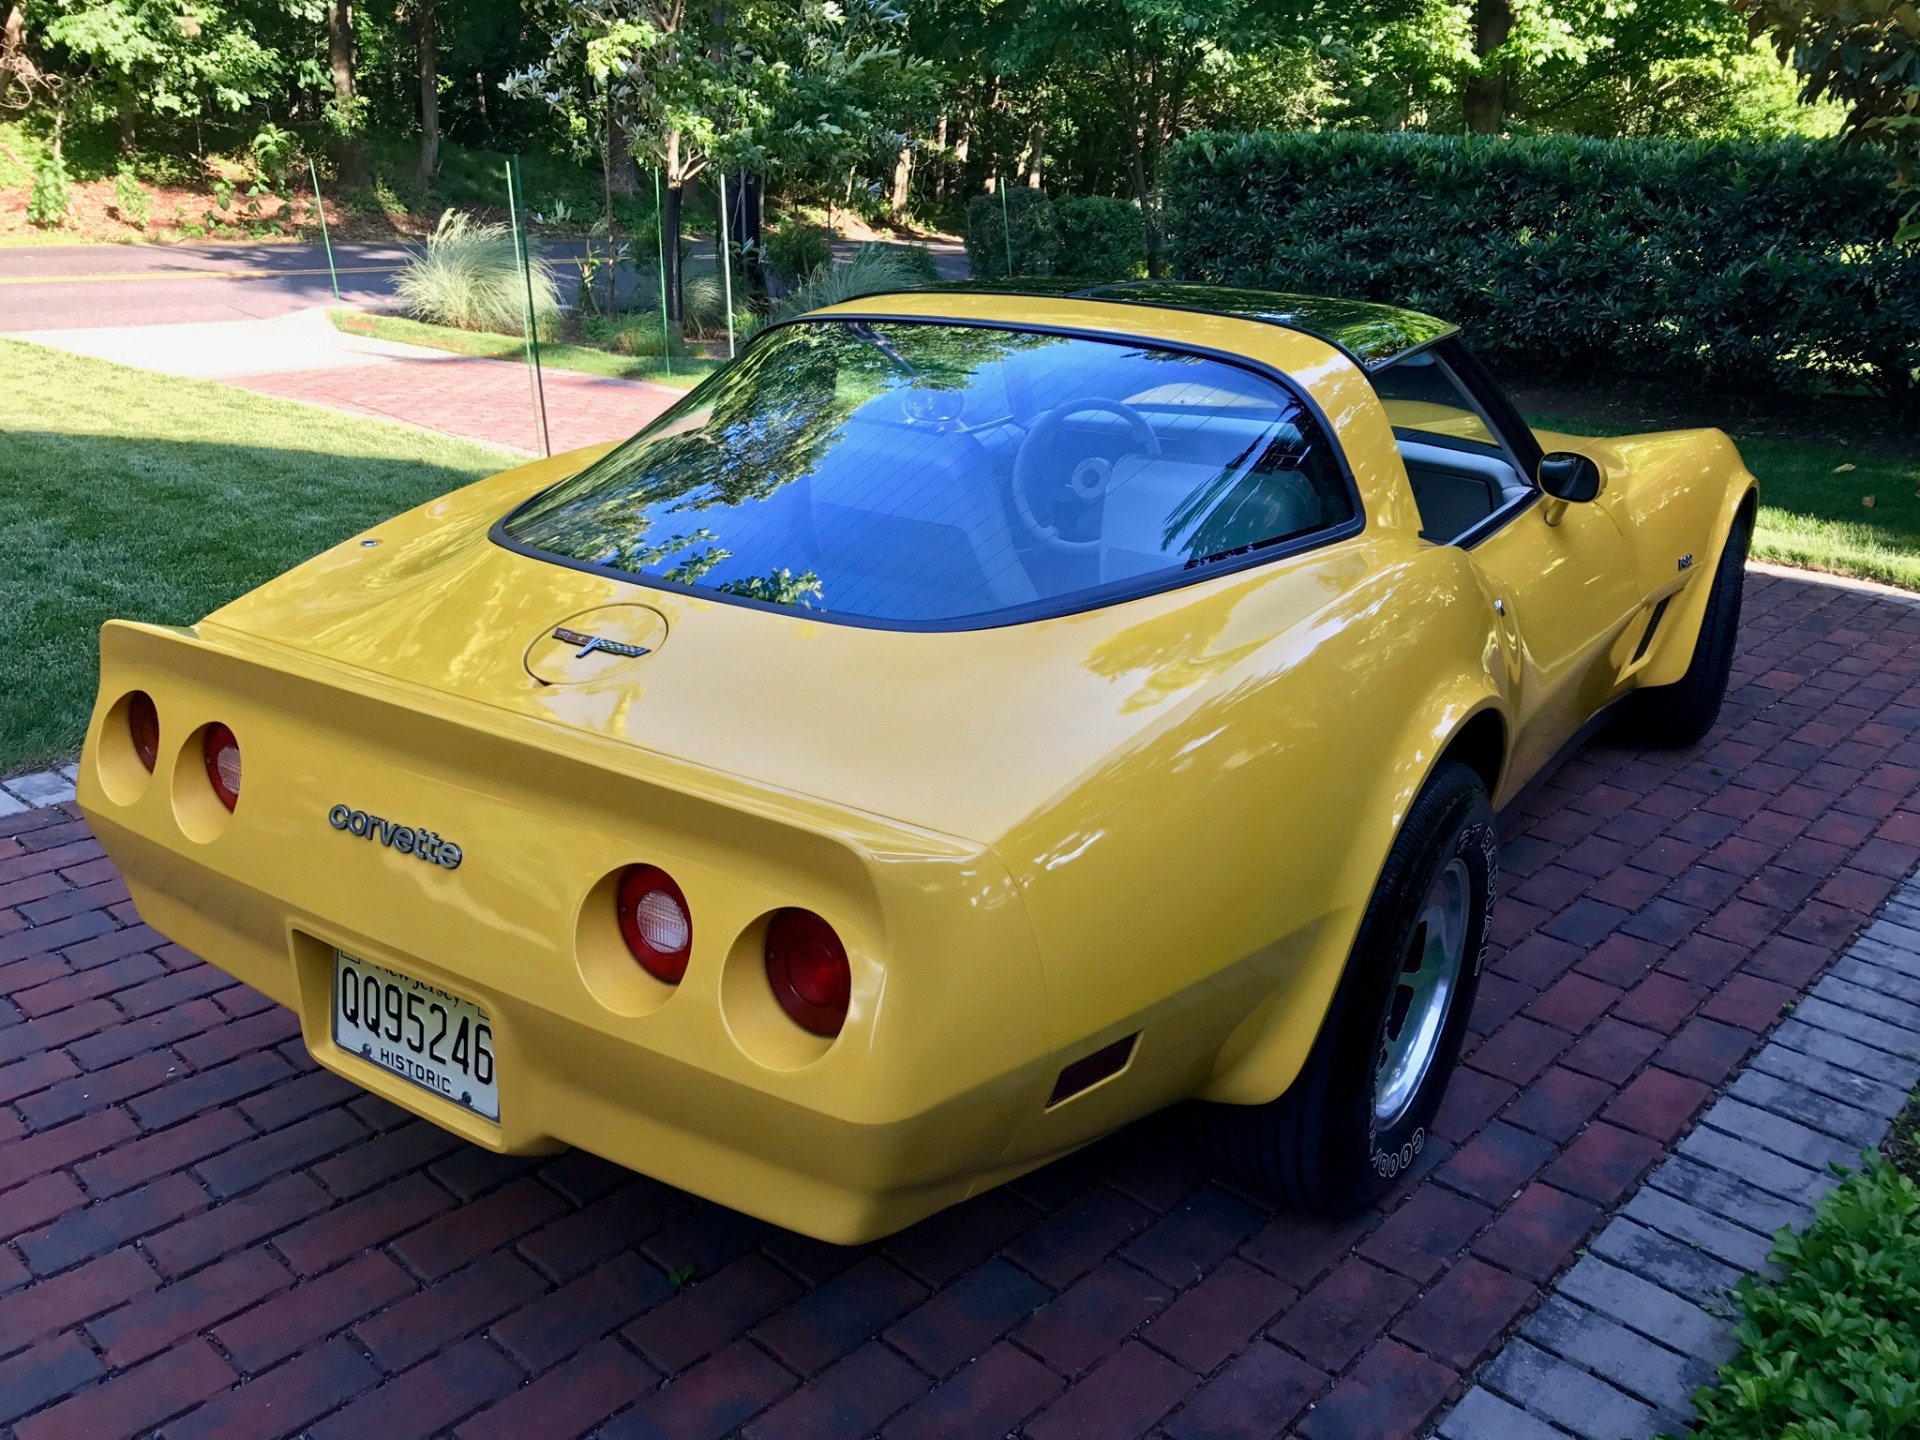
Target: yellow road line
(211, 274)
(187, 275)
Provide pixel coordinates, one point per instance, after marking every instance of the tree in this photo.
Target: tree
(348, 117)
(141, 59)
(1864, 54)
(426, 39)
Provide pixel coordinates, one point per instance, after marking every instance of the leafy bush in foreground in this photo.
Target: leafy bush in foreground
(469, 276)
(1832, 1350)
(1727, 264)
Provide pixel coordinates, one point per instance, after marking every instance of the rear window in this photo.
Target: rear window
(945, 475)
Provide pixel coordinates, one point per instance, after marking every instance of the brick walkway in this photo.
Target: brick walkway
(486, 400)
(203, 1226)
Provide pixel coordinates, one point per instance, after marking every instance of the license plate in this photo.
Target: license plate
(416, 1031)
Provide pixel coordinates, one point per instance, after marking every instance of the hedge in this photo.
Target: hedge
(1720, 265)
(1011, 234)
(1100, 238)
(1088, 237)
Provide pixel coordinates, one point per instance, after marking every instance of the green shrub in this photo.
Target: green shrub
(1101, 238)
(639, 333)
(47, 205)
(918, 261)
(1014, 232)
(1832, 1348)
(1736, 264)
(130, 197)
(870, 270)
(469, 277)
(796, 250)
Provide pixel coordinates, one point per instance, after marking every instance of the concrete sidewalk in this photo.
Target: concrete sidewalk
(303, 357)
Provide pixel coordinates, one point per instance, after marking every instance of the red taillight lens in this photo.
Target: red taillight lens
(222, 753)
(655, 922)
(807, 967)
(143, 725)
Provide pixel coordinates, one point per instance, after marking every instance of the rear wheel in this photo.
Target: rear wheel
(1357, 1117)
(1683, 712)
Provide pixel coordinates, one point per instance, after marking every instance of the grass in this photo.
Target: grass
(686, 371)
(1813, 509)
(133, 495)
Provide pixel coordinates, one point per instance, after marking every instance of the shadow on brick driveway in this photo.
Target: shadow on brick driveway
(206, 1236)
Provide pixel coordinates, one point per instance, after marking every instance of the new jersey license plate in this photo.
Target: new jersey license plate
(416, 1031)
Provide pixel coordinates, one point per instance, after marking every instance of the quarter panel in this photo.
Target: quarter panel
(1216, 868)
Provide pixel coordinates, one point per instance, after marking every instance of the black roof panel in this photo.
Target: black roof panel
(1375, 335)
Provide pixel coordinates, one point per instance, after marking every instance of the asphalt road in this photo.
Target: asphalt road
(59, 287)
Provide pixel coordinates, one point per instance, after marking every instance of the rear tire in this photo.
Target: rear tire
(1680, 714)
(1357, 1117)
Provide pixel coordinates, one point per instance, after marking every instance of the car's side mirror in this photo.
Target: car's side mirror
(1567, 476)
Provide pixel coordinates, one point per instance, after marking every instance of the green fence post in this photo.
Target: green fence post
(320, 205)
(726, 262)
(516, 209)
(660, 240)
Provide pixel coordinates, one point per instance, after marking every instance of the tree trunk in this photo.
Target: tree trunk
(902, 182)
(962, 142)
(670, 228)
(626, 166)
(128, 114)
(747, 233)
(1483, 101)
(353, 152)
(427, 18)
(1036, 145)
(940, 164)
(1140, 193)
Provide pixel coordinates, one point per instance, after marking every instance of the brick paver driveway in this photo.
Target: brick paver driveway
(207, 1236)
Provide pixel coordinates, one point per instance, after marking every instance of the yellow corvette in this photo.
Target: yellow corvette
(967, 723)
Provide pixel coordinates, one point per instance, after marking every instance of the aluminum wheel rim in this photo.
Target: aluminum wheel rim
(1422, 995)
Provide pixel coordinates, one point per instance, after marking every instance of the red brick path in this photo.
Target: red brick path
(486, 400)
(206, 1236)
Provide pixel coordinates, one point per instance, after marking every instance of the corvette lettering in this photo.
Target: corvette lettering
(422, 844)
(590, 643)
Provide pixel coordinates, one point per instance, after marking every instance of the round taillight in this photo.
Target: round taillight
(222, 753)
(654, 922)
(807, 968)
(143, 726)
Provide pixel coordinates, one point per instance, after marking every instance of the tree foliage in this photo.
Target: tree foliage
(1865, 55)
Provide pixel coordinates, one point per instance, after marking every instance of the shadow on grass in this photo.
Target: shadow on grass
(97, 527)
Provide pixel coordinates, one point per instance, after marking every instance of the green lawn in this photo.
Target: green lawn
(129, 494)
(1813, 512)
(684, 373)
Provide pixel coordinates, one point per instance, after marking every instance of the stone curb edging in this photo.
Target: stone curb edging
(1620, 1344)
(38, 789)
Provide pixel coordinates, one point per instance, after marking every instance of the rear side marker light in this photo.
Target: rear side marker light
(1089, 1071)
(654, 922)
(222, 754)
(143, 727)
(807, 968)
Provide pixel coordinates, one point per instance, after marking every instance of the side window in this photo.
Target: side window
(1460, 472)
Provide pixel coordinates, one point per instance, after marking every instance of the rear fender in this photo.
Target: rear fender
(1266, 1053)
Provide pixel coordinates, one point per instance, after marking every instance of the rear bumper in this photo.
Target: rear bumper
(706, 1085)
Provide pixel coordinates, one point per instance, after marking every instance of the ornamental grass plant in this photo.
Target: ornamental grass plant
(469, 276)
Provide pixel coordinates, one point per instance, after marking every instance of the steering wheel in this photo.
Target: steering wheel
(1088, 480)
